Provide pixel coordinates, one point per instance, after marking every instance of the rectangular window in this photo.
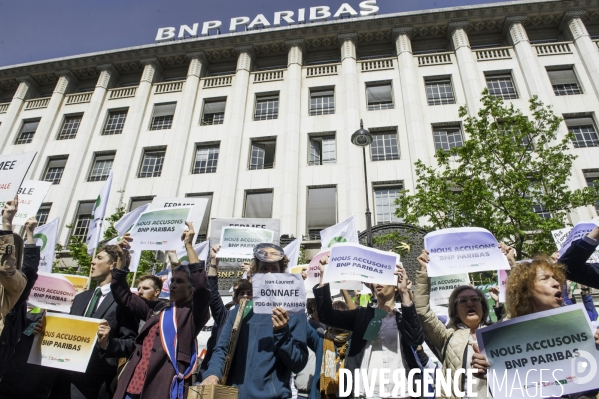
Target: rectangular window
(439, 91)
(206, 158)
(322, 102)
(384, 203)
(447, 137)
(379, 96)
(136, 202)
(322, 210)
(115, 122)
(564, 82)
(82, 220)
(262, 154)
(592, 179)
(27, 131)
(69, 128)
(214, 112)
(384, 146)
(55, 169)
(537, 207)
(501, 85)
(151, 164)
(162, 118)
(101, 167)
(322, 150)
(585, 133)
(203, 233)
(258, 204)
(267, 107)
(42, 213)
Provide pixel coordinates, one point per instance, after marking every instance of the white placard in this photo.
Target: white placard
(198, 210)
(441, 287)
(463, 250)
(359, 263)
(31, 195)
(579, 231)
(160, 229)
(237, 243)
(278, 289)
(13, 168)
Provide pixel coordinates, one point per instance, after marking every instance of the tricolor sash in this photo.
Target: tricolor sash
(169, 339)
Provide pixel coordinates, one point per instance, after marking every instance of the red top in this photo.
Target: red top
(136, 385)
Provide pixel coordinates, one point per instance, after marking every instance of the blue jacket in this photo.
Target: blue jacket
(264, 359)
(315, 342)
(575, 259)
(219, 315)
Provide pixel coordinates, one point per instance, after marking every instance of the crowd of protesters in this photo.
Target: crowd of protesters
(147, 346)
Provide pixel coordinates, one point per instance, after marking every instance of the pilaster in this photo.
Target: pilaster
(458, 35)
(198, 63)
(67, 82)
(152, 70)
(348, 43)
(574, 29)
(28, 88)
(295, 52)
(572, 26)
(466, 64)
(403, 40)
(246, 57)
(108, 76)
(513, 29)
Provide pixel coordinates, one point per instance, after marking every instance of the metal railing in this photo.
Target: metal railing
(497, 53)
(37, 103)
(79, 98)
(122, 92)
(434, 59)
(169, 87)
(321, 70)
(217, 81)
(268, 76)
(376, 65)
(553, 48)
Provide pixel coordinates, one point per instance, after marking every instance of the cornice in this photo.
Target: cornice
(426, 24)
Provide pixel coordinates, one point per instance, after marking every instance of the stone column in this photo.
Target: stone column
(27, 89)
(178, 147)
(291, 140)
(466, 64)
(66, 84)
(133, 126)
(230, 153)
(350, 188)
(536, 83)
(574, 29)
(410, 91)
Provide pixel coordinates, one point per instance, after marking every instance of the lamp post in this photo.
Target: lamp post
(363, 138)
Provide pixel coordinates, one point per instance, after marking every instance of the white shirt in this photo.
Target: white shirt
(105, 289)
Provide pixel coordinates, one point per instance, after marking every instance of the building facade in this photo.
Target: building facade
(260, 121)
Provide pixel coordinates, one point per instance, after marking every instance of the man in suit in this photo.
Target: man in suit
(116, 334)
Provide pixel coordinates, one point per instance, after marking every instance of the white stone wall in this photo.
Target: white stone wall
(233, 178)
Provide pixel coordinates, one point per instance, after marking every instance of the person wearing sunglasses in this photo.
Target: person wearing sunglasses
(456, 343)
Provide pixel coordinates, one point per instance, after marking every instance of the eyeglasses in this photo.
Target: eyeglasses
(465, 300)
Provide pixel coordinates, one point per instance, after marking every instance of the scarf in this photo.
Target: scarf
(169, 339)
(333, 359)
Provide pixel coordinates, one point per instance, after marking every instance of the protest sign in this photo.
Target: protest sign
(544, 354)
(360, 263)
(560, 235)
(31, 195)
(314, 272)
(160, 229)
(45, 237)
(200, 249)
(126, 223)
(577, 232)
(278, 289)
(463, 250)
(198, 209)
(341, 232)
(66, 342)
(52, 292)
(13, 168)
(297, 269)
(79, 282)
(238, 242)
(292, 250)
(441, 287)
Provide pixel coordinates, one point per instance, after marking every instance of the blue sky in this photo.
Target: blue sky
(33, 30)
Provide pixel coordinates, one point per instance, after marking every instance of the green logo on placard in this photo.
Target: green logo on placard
(184, 259)
(43, 238)
(336, 240)
(98, 201)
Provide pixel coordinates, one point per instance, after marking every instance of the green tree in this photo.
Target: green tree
(510, 177)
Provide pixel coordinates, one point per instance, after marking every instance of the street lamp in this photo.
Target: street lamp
(363, 138)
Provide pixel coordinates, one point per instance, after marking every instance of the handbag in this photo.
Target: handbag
(222, 391)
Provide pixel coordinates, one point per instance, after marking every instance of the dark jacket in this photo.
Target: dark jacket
(577, 269)
(357, 321)
(264, 359)
(14, 322)
(219, 315)
(191, 317)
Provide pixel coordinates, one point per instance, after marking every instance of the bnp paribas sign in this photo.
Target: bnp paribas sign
(260, 21)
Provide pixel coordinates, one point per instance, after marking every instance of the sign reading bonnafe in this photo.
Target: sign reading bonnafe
(313, 14)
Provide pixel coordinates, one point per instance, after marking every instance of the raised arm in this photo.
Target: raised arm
(410, 327)
(13, 281)
(31, 260)
(217, 307)
(199, 280)
(575, 259)
(434, 330)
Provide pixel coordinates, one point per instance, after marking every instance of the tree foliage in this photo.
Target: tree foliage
(509, 176)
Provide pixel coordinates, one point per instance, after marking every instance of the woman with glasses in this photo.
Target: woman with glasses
(456, 342)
